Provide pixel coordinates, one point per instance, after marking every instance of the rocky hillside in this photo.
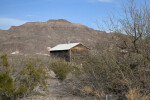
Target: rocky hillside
(35, 37)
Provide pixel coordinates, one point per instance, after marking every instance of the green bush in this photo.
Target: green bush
(4, 65)
(61, 69)
(7, 89)
(32, 75)
(6, 86)
(22, 83)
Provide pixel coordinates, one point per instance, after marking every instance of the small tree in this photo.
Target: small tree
(134, 21)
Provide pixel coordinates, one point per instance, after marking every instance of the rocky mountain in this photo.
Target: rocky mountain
(35, 37)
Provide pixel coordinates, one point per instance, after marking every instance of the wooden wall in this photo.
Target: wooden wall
(79, 52)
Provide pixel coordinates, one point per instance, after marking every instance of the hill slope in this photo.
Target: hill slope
(35, 37)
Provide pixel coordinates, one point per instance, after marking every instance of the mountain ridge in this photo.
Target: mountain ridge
(33, 37)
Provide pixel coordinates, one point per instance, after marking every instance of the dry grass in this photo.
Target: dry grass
(99, 93)
(86, 90)
(83, 91)
(134, 94)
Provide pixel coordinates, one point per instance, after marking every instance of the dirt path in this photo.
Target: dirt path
(59, 91)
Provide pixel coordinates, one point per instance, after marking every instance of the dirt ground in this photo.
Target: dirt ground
(59, 91)
(63, 91)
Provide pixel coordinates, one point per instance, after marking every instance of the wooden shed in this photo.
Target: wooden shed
(70, 51)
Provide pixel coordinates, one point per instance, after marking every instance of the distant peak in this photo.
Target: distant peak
(12, 27)
(59, 20)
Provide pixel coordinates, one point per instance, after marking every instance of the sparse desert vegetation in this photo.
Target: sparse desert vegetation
(61, 69)
(21, 83)
(118, 65)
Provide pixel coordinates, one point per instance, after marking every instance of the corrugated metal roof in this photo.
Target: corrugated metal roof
(60, 47)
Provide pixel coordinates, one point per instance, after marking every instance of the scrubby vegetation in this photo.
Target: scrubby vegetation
(123, 68)
(61, 69)
(32, 75)
(115, 73)
(14, 84)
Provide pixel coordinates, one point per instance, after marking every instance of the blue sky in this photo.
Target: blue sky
(86, 12)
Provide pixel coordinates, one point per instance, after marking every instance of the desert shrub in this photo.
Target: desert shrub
(22, 83)
(116, 73)
(125, 64)
(4, 65)
(31, 76)
(7, 88)
(4, 60)
(61, 69)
